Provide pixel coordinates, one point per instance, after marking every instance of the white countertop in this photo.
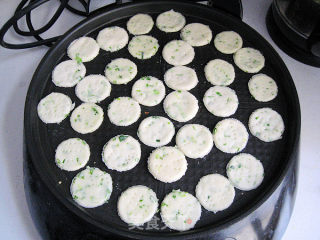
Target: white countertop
(17, 67)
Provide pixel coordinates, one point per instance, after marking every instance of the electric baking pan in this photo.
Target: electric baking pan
(42, 140)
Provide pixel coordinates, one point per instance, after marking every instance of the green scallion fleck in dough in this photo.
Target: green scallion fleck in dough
(95, 111)
(122, 137)
(78, 59)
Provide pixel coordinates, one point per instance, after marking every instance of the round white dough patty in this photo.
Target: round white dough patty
(93, 88)
(83, 49)
(178, 53)
(140, 24)
(68, 73)
(180, 210)
(245, 172)
(124, 111)
(54, 108)
(86, 118)
(194, 140)
(137, 205)
(181, 106)
(167, 164)
(262, 87)
(249, 60)
(230, 135)
(266, 124)
(228, 42)
(143, 47)
(196, 34)
(91, 187)
(156, 131)
(215, 192)
(72, 154)
(121, 153)
(112, 38)
(148, 91)
(219, 72)
(181, 78)
(221, 101)
(170, 21)
(121, 71)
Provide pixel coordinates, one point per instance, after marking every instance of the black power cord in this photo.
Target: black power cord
(24, 9)
(86, 6)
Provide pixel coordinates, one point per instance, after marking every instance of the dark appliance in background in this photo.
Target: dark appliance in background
(294, 25)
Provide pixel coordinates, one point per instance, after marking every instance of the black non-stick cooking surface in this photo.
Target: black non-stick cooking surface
(43, 139)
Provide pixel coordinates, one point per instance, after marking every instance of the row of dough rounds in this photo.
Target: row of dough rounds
(179, 210)
(70, 73)
(149, 91)
(219, 100)
(266, 124)
(168, 164)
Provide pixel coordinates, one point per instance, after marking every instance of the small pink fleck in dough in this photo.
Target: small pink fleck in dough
(189, 221)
